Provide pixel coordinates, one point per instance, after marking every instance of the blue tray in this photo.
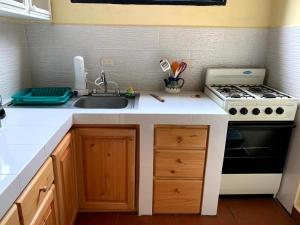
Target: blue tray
(42, 96)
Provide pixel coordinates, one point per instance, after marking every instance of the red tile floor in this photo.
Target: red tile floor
(261, 211)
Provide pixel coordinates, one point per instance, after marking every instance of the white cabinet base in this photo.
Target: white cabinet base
(250, 184)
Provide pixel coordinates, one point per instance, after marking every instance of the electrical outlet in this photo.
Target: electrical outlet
(107, 62)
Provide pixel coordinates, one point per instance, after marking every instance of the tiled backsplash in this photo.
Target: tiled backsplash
(283, 60)
(283, 63)
(136, 52)
(14, 69)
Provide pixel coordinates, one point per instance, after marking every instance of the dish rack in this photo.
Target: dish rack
(42, 96)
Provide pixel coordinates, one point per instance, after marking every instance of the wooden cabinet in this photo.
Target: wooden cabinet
(35, 193)
(181, 137)
(106, 168)
(11, 217)
(179, 164)
(46, 214)
(177, 196)
(37, 204)
(65, 180)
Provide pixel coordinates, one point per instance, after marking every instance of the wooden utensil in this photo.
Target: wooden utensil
(158, 97)
(174, 66)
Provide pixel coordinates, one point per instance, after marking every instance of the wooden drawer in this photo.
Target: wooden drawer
(177, 196)
(34, 194)
(46, 213)
(181, 137)
(11, 217)
(180, 164)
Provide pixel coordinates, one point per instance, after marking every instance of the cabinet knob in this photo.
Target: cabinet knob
(179, 139)
(43, 189)
(172, 171)
(177, 190)
(179, 161)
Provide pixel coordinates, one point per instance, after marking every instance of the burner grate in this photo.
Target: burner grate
(230, 91)
(263, 91)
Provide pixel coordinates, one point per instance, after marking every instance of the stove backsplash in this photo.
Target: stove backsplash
(283, 57)
(284, 74)
(136, 52)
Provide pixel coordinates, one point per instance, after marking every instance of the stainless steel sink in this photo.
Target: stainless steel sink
(104, 102)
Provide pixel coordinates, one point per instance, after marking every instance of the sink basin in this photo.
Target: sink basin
(105, 102)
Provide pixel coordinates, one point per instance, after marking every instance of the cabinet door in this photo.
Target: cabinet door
(65, 180)
(40, 7)
(106, 169)
(46, 215)
(12, 217)
(14, 4)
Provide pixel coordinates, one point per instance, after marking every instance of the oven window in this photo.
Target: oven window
(256, 142)
(257, 149)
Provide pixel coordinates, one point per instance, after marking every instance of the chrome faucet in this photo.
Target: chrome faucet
(105, 82)
(2, 112)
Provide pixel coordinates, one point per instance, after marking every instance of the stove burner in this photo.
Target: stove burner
(269, 95)
(226, 89)
(231, 91)
(255, 89)
(235, 95)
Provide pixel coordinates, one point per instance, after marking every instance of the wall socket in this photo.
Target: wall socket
(107, 62)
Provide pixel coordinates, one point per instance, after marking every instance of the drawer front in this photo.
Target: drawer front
(34, 194)
(11, 217)
(180, 164)
(181, 137)
(46, 213)
(177, 196)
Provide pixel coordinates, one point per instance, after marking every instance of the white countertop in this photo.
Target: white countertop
(29, 135)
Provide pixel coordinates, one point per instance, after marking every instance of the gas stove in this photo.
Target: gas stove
(259, 129)
(242, 94)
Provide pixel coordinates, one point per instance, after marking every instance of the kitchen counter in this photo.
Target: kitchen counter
(29, 135)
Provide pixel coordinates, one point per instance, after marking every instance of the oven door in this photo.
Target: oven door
(256, 147)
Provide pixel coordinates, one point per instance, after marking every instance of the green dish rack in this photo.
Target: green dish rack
(42, 96)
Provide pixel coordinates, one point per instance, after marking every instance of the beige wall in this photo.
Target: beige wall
(237, 13)
(286, 13)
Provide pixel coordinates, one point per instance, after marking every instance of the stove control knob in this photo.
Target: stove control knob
(232, 111)
(280, 111)
(256, 111)
(244, 111)
(268, 111)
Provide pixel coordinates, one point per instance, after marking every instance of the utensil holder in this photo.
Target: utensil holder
(173, 85)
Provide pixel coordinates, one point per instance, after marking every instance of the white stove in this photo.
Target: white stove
(242, 94)
(259, 129)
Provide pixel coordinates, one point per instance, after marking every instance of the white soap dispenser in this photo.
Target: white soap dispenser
(80, 76)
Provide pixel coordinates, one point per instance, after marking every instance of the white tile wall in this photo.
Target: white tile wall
(283, 63)
(136, 52)
(283, 60)
(14, 68)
